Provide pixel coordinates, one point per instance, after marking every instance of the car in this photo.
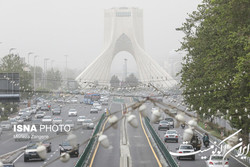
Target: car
(74, 100)
(44, 108)
(22, 136)
(21, 112)
(33, 109)
(8, 165)
(80, 119)
(163, 125)
(105, 102)
(88, 124)
(185, 148)
(70, 122)
(171, 135)
(56, 111)
(44, 142)
(6, 125)
(94, 110)
(66, 147)
(20, 121)
(27, 116)
(98, 106)
(47, 119)
(173, 111)
(31, 153)
(170, 121)
(57, 121)
(37, 122)
(72, 112)
(13, 121)
(1, 131)
(216, 160)
(40, 114)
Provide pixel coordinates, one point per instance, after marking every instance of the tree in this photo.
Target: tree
(114, 81)
(13, 64)
(131, 80)
(216, 71)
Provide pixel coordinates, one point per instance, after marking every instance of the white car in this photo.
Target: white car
(72, 112)
(40, 114)
(171, 135)
(185, 148)
(217, 161)
(57, 121)
(74, 100)
(94, 110)
(80, 120)
(98, 106)
(47, 119)
(6, 125)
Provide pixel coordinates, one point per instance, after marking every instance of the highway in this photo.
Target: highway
(137, 149)
(8, 144)
(171, 146)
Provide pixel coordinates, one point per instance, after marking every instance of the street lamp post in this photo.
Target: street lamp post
(11, 49)
(35, 72)
(45, 71)
(66, 71)
(29, 57)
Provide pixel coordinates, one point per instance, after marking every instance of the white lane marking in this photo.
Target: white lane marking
(17, 158)
(51, 155)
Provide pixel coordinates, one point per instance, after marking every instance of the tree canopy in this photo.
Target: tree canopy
(215, 73)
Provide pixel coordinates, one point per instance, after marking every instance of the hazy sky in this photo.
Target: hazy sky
(54, 28)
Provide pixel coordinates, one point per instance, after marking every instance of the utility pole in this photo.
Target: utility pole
(29, 57)
(35, 72)
(45, 71)
(66, 71)
(125, 70)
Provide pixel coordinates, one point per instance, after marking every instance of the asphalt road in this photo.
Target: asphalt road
(171, 146)
(8, 144)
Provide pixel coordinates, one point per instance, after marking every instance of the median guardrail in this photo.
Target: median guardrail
(171, 162)
(84, 157)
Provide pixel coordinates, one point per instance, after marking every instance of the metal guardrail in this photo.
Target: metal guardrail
(171, 162)
(84, 157)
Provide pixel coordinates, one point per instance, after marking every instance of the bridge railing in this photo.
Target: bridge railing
(83, 160)
(171, 162)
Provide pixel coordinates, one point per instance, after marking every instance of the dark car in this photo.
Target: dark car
(56, 111)
(66, 147)
(30, 153)
(8, 165)
(44, 108)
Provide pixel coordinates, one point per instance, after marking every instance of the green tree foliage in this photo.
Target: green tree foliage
(54, 79)
(131, 80)
(12, 63)
(114, 81)
(216, 71)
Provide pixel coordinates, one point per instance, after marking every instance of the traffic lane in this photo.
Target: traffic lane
(82, 135)
(140, 151)
(198, 161)
(110, 157)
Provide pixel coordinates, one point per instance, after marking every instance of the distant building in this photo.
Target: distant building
(173, 63)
